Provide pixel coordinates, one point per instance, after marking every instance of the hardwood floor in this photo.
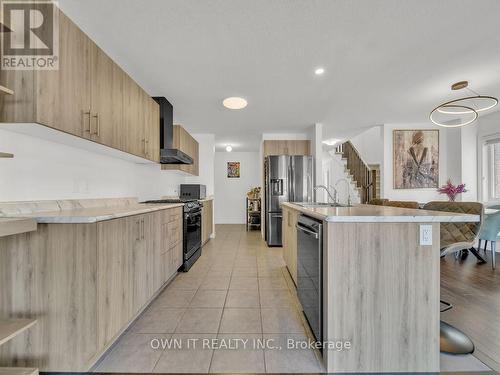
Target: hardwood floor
(474, 291)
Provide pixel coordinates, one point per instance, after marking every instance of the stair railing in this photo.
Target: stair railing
(364, 176)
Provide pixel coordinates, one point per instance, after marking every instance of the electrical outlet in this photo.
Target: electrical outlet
(425, 235)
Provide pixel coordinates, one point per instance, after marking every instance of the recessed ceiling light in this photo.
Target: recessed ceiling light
(229, 148)
(234, 102)
(319, 71)
(331, 141)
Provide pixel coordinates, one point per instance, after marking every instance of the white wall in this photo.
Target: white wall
(230, 193)
(488, 126)
(449, 164)
(43, 169)
(375, 147)
(206, 162)
(369, 145)
(469, 161)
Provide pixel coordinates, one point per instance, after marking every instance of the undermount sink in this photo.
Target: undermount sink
(321, 204)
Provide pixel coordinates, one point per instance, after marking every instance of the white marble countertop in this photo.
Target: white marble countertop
(96, 214)
(79, 211)
(365, 213)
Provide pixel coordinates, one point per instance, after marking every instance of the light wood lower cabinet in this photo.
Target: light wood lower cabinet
(114, 278)
(51, 275)
(289, 235)
(84, 283)
(207, 222)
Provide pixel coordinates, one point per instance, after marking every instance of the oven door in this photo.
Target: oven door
(192, 233)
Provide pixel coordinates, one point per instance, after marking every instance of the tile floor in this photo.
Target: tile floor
(238, 293)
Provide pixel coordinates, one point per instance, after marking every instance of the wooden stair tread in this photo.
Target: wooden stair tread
(18, 371)
(10, 328)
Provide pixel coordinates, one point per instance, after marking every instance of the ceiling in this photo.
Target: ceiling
(386, 61)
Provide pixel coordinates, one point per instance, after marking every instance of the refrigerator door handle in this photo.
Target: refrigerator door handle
(291, 181)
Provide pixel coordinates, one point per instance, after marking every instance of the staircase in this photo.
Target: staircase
(358, 173)
(338, 171)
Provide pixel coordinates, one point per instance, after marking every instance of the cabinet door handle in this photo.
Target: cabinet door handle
(87, 113)
(138, 230)
(146, 144)
(98, 124)
(143, 146)
(143, 233)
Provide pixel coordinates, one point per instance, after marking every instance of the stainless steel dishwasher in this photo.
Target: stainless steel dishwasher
(310, 271)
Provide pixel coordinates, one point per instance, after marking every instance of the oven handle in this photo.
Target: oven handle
(190, 215)
(307, 231)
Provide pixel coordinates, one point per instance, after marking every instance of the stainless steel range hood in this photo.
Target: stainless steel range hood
(169, 154)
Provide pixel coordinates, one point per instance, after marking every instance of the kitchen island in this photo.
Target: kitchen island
(379, 285)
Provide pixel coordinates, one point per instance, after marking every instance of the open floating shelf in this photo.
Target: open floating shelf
(18, 371)
(5, 90)
(6, 155)
(10, 328)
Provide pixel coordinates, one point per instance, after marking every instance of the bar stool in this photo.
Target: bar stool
(456, 237)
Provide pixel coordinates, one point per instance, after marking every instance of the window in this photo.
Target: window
(496, 171)
(492, 175)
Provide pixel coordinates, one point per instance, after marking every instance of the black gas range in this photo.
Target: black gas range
(191, 229)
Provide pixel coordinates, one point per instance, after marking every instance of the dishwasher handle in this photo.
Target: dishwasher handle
(307, 231)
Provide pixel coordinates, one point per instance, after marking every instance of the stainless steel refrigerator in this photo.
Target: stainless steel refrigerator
(287, 179)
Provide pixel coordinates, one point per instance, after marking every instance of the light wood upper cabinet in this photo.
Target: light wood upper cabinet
(106, 122)
(63, 97)
(89, 96)
(132, 136)
(151, 116)
(183, 141)
(287, 147)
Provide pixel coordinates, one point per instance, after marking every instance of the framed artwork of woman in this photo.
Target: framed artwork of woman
(416, 159)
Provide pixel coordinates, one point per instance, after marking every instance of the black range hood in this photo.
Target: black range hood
(169, 154)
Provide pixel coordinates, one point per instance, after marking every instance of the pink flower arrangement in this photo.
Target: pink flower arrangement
(451, 190)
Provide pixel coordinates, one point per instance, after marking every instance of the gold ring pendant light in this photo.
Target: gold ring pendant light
(469, 105)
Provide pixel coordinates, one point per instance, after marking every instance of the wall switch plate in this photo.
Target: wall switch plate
(425, 235)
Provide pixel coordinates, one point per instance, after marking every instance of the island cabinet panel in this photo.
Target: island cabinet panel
(89, 96)
(289, 236)
(381, 293)
(50, 275)
(207, 222)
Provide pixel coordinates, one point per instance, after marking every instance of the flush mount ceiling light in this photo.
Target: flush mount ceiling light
(234, 102)
(319, 71)
(467, 109)
(331, 141)
(229, 148)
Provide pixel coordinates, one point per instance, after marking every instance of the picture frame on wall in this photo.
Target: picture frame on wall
(233, 169)
(415, 158)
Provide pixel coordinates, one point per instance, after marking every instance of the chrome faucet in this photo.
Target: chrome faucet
(333, 198)
(348, 185)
